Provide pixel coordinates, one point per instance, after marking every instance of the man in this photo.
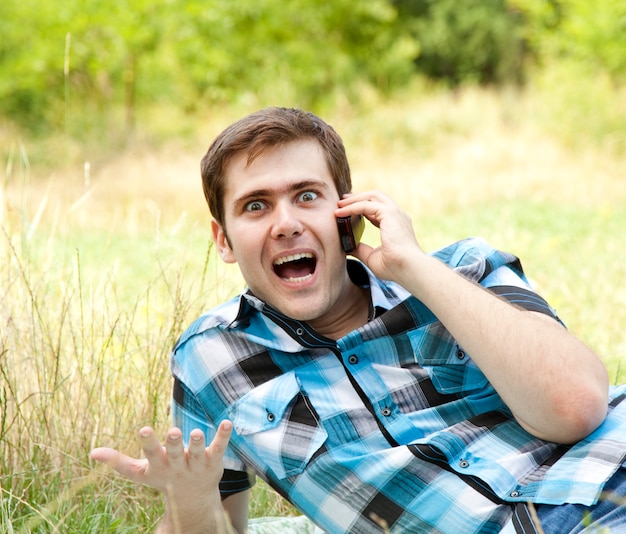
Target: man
(405, 392)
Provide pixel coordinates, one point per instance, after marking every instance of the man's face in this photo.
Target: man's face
(279, 226)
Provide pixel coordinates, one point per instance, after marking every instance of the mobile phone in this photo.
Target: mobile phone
(350, 231)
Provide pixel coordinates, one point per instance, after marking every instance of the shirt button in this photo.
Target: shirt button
(460, 354)
(353, 359)
(270, 416)
(299, 331)
(515, 494)
(386, 412)
(463, 464)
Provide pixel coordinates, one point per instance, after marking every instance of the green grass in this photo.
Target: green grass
(100, 272)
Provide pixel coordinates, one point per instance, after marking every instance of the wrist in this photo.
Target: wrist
(200, 514)
(419, 272)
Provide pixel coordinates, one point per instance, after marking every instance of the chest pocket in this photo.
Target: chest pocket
(450, 369)
(276, 427)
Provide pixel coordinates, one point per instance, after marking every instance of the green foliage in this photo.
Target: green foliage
(315, 47)
(474, 41)
(94, 71)
(29, 63)
(579, 84)
(61, 63)
(592, 34)
(88, 58)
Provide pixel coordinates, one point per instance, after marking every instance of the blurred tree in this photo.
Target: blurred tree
(54, 57)
(478, 41)
(85, 64)
(31, 59)
(100, 56)
(589, 33)
(316, 47)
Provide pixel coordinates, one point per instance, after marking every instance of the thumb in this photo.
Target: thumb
(103, 454)
(131, 468)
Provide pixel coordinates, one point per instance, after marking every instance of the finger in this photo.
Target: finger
(105, 455)
(221, 439)
(353, 200)
(370, 208)
(365, 196)
(131, 468)
(196, 448)
(174, 447)
(151, 446)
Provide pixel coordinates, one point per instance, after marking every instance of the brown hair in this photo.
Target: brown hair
(264, 129)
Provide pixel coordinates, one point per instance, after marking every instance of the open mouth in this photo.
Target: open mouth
(295, 267)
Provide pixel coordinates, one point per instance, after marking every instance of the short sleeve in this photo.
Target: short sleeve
(235, 481)
(516, 289)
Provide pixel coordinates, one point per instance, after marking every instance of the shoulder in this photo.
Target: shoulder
(476, 259)
(217, 318)
(466, 251)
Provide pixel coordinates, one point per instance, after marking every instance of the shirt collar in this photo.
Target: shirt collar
(384, 294)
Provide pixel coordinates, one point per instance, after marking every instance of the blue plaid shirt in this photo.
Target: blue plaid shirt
(393, 425)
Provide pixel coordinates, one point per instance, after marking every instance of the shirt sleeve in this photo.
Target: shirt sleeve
(498, 271)
(235, 481)
(516, 289)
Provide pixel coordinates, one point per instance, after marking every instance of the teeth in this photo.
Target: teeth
(293, 257)
(299, 279)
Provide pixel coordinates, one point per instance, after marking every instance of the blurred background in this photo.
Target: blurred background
(500, 118)
(103, 75)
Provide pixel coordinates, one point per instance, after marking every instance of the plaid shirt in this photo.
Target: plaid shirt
(393, 425)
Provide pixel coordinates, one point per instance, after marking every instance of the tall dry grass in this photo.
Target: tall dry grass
(103, 265)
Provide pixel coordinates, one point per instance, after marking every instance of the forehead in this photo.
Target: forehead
(276, 166)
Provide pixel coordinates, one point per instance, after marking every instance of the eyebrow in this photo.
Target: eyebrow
(271, 191)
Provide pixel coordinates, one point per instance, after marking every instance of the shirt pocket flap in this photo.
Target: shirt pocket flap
(277, 426)
(449, 379)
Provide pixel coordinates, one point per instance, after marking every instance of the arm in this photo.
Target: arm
(189, 480)
(236, 507)
(554, 385)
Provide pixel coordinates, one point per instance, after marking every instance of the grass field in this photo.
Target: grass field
(102, 267)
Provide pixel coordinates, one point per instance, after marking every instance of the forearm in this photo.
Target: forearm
(554, 385)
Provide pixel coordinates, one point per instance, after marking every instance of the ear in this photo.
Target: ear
(221, 241)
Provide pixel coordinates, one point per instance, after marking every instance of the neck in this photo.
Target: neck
(351, 312)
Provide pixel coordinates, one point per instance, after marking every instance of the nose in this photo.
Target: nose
(286, 223)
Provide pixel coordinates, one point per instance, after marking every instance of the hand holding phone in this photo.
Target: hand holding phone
(350, 231)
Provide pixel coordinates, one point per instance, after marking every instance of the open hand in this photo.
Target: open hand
(171, 468)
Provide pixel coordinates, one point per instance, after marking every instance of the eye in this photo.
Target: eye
(307, 196)
(255, 205)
